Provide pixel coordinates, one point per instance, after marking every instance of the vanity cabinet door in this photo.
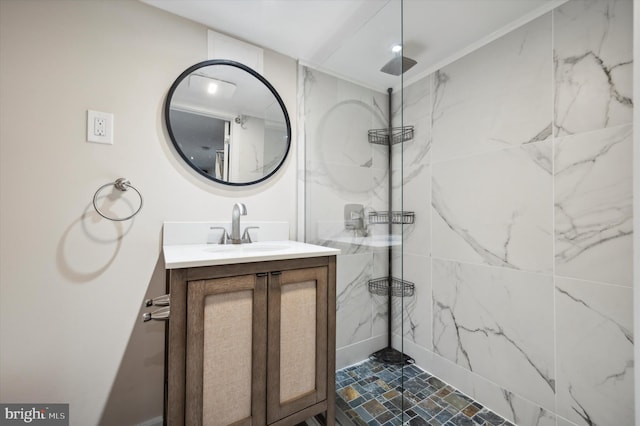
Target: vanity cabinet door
(225, 351)
(298, 340)
(252, 344)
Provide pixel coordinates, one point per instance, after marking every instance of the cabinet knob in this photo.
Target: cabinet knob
(163, 300)
(161, 314)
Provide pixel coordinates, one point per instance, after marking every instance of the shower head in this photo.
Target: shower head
(398, 65)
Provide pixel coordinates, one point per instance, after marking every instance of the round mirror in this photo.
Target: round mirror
(227, 122)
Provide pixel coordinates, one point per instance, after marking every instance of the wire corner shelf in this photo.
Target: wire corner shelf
(394, 217)
(396, 135)
(398, 287)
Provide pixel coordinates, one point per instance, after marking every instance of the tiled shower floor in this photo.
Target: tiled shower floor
(369, 393)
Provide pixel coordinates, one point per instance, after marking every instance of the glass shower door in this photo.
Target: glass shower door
(352, 155)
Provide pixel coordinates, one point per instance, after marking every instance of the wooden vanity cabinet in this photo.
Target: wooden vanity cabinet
(252, 343)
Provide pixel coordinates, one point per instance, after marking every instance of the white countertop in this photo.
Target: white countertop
(194, 255)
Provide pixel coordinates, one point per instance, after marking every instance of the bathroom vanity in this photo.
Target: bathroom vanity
(251, 334)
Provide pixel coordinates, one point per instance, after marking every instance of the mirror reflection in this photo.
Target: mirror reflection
(227, 122)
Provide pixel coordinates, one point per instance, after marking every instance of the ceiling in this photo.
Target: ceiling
(353, 38)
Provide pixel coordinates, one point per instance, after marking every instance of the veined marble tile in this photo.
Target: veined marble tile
(521, 411)
(416, 112)
(380, 191)
(594, 352)
(509, 405)
(380, 303)
(495, 208)
(412, 183)
(498, 323)
(329, 188)
(404, 311)
(564, 422)
(353, 302)
(417, 199)
(417, 309)
(339, 166)
(593, 65)
(593, 206)
(497, 96)
(342, 182)
(341, 135)
(338, 116)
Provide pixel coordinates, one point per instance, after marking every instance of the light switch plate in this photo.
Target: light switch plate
(99, 127)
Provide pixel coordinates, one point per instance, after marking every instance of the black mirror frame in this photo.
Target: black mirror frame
(254, 73)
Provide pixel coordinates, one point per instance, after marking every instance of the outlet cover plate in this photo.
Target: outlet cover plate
(99, 127)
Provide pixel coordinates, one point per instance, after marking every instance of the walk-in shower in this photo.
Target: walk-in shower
(489, 230)
(353, 198)
(353, 201)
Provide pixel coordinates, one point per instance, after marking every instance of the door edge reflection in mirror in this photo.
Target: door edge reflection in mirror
(176, 143)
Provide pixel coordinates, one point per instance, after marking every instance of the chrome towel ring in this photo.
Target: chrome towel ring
(122, 184)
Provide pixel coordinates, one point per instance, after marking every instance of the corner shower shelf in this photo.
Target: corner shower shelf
(398, 288)
(397, 217)
(398, 135)
(389, 286)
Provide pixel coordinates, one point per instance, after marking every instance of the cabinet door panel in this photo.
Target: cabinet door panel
(297, 355)
(297, 340)
(226, 339)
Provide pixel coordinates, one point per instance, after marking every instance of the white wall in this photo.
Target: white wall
(72, 283)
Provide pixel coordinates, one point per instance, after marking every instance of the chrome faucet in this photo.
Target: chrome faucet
(239, 209)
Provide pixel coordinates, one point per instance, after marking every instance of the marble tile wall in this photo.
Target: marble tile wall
(594, 336)
(521, 251)
(592, 181)
(593, 65)
(341, 168)
(529, 242)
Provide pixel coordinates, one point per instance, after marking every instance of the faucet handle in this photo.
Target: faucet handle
(246, 237)
(225, 235)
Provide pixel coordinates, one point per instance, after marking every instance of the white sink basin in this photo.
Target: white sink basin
(247, 248)
(195, 255)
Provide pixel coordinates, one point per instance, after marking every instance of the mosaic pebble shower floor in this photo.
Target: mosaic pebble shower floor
(370, 393)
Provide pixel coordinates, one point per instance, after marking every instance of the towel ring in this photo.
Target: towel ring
(122, 184)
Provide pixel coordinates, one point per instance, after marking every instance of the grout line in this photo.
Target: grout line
(430, 210)
(588, 132)
(514, 146)
(553, 217)
(621, 286)
(486, 265)
(550, 139)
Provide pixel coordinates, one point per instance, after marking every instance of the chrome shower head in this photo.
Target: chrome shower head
(398, 65)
